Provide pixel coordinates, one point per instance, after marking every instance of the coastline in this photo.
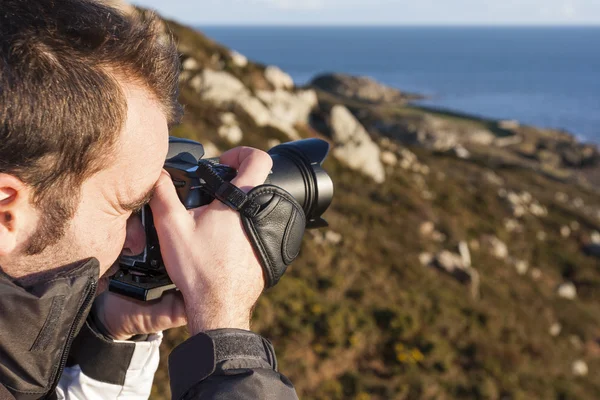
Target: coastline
(551, 152)
(542, 76)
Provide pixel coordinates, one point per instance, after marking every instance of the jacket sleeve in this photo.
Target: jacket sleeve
(227, 364)
(100, 368)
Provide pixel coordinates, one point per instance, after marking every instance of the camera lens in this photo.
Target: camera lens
(297, 168)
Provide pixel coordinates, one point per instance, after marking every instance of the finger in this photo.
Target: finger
(166, 207)
(253, 166)
(173, 312)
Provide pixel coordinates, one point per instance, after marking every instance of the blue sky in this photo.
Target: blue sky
(373, 12)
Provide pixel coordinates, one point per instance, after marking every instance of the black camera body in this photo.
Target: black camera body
(297, 168)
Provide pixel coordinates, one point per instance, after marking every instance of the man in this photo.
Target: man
(86, 98)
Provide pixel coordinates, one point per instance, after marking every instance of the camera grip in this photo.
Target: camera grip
(275, 231)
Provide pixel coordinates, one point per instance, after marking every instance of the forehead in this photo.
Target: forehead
(142, 145)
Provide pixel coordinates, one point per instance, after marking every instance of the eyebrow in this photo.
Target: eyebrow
(138, 204)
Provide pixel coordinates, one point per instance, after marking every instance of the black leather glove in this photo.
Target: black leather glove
(273, 220)
(275, 230)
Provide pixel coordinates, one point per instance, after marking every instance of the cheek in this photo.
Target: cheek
(103, 240)
(115, 239)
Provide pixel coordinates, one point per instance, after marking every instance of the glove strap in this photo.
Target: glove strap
(226, 192)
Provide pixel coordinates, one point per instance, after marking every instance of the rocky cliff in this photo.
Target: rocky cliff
(462, 256)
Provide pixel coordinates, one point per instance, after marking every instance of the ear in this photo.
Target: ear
(16, 212)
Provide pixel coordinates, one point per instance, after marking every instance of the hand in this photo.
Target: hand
(206, 251)
(123, 317)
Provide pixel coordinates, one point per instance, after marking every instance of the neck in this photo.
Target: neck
(29, 274)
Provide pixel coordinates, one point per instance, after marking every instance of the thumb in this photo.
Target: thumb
(166, 206)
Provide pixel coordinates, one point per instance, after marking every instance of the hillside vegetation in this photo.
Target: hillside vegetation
(382, 305)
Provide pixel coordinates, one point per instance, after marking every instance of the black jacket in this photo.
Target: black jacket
(42, 328)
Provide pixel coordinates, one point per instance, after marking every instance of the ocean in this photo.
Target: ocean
(544, 76)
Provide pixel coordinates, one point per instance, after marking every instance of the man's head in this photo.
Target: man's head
(86, 95)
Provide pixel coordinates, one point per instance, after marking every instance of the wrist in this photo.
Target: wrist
(209, 316)
(197, 327)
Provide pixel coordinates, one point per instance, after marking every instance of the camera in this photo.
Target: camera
(297, 168)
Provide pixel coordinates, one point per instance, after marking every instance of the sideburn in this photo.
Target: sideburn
(51, 228)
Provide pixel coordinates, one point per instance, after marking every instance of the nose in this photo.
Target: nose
(135, 238)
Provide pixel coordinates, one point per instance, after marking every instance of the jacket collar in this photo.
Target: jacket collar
(37, 326)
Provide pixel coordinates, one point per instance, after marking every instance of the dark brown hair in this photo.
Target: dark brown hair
(61, 104)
